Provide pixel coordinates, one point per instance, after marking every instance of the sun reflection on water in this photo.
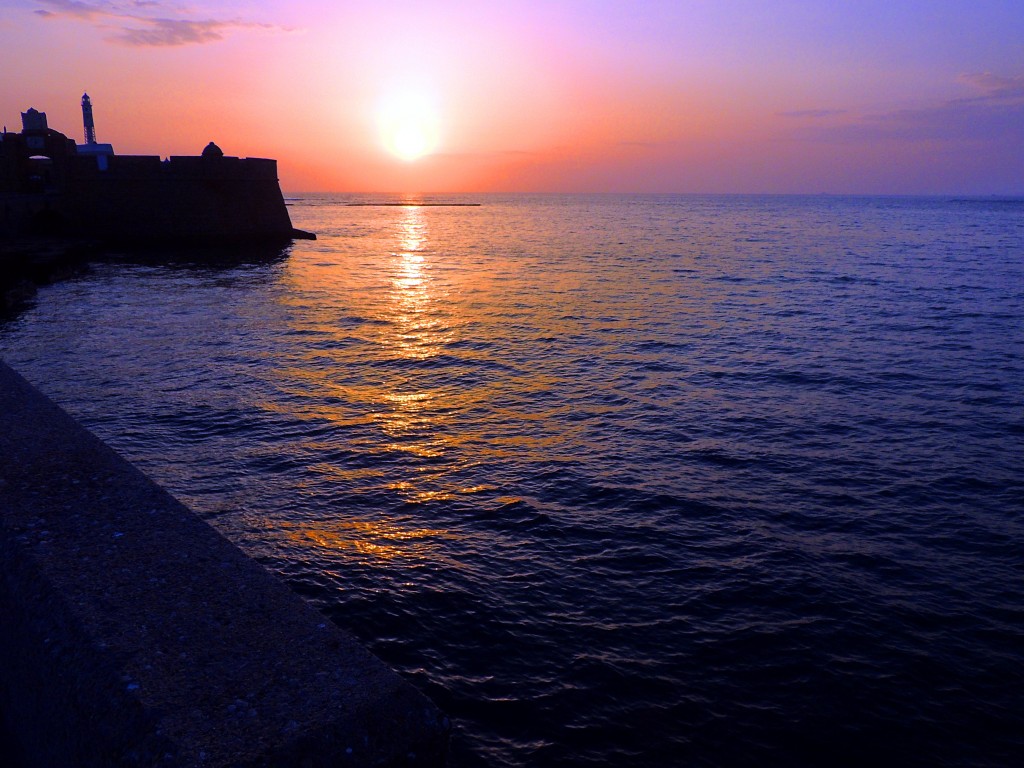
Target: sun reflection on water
(380, 539)
(368, 383)
(417, 329)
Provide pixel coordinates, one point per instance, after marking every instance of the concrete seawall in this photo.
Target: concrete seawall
(133, 634)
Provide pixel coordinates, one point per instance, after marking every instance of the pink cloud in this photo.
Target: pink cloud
(135, 28)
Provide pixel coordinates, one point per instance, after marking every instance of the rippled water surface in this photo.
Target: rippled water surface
(630, 481)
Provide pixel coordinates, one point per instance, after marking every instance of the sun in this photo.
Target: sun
(409, 125)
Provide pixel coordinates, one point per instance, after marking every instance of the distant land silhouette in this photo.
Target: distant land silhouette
(416, 205)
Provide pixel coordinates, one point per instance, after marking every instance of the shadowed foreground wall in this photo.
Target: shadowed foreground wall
(133, 634)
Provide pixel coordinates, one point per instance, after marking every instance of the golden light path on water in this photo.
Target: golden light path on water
(413, 420)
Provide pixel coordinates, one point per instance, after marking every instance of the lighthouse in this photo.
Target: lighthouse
(90, 126)
(102, 152)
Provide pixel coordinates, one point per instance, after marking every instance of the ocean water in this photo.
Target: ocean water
(617, 481)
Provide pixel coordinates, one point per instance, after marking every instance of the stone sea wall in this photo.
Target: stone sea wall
(133, 634)
(207, 199)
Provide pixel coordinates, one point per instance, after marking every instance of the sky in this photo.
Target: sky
(704, 96)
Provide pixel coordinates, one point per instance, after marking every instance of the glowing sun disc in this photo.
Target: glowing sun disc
(409, 126)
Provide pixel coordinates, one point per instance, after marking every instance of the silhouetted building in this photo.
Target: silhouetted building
(50, 185)
(33, 120)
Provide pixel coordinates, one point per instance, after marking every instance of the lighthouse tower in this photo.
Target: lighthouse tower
(90, 126)
(102, 152)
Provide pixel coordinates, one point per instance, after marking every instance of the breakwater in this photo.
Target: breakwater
(132, 633)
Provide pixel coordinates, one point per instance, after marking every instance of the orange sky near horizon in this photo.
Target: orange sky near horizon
(574, 96)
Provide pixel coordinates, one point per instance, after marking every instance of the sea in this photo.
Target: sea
(662, 480)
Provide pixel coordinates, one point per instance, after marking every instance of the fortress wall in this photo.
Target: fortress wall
(133, 634)
(206, 199)
(195, 198)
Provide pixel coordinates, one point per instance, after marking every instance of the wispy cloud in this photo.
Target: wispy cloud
(638, 144)
(147, 23)
(995, 87)
(812, 113)
(488, 155)
(169, 32)
(71, 9)
(994, 111)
